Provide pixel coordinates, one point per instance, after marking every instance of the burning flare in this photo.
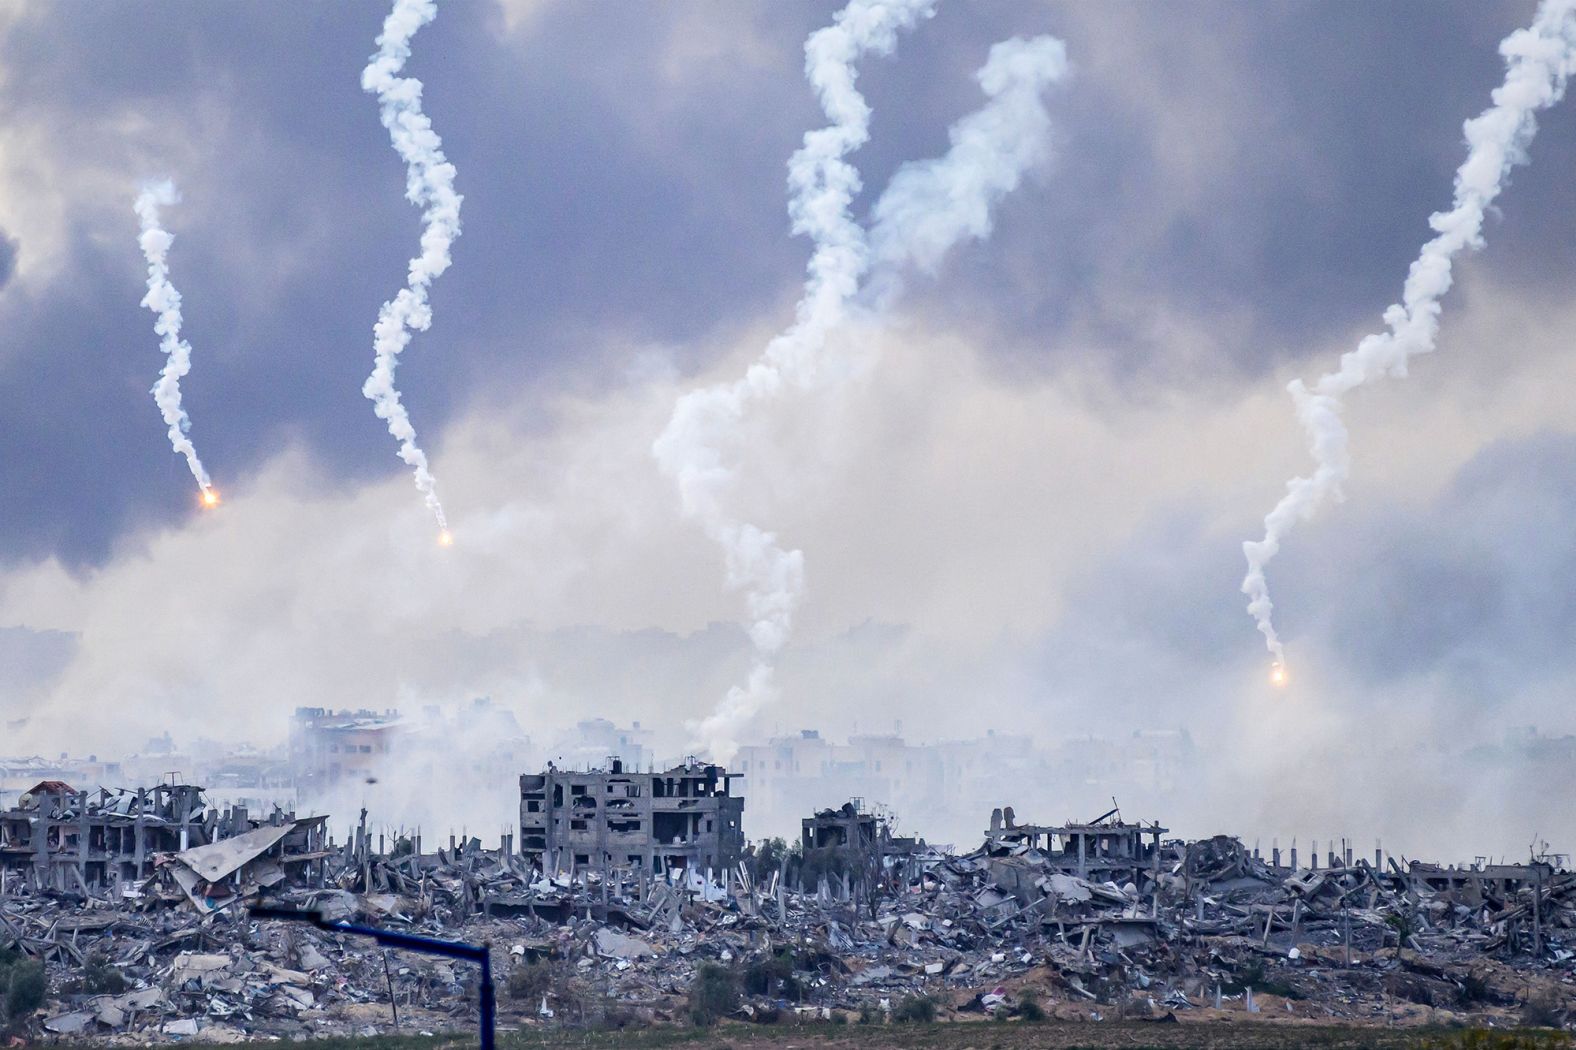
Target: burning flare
(429, 183)
(1538, 62)
(1278, 674)
(210, 498)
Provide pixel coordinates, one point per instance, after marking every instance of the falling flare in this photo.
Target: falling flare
(1539, 60)
(1278, 675)
(210, 498)
(165, 302)
(429, 184)
(445, 538)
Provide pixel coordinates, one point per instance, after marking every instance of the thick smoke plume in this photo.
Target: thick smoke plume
(165, 301)
(1539, 61)
(429, 184)
(926, 209)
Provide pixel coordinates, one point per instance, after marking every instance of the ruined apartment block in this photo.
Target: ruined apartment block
(685, 818)
(63, 840)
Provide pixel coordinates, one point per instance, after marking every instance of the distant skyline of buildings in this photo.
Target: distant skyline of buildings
(458, 768)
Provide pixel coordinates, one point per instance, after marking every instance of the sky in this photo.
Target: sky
(1025, 513)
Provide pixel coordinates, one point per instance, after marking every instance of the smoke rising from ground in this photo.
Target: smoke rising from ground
(165, 302)
(926, 209)
(429, 184)
(1539, 61)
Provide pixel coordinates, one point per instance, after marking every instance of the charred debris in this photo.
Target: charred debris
(633, 898)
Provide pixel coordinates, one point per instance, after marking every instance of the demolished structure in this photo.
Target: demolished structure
(684, 818)
(63, 840)
(611, 921)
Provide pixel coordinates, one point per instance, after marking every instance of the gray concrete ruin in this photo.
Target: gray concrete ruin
(69, 841)
(684, 818)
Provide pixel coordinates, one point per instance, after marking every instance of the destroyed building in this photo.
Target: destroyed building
(1105, 849)
(684, 818)
(60, 839)
(852, 826)
(1203, 930)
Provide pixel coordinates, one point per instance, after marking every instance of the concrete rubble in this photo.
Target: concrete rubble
(1081, 921)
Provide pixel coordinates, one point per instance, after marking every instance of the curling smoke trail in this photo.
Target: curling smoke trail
(987, 158)
(931, 205)
(822, 184)
(429, 184)
(1539, 60)
(165, 301)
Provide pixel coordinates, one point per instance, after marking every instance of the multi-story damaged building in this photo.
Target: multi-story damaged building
(58, 838)
(852, 826)
(684, 818)
(327, 747)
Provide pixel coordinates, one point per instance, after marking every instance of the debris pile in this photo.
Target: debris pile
(1089, 921)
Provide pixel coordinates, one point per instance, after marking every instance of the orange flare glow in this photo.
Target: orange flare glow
(445, 538)
(1278, 675)
(210, 497)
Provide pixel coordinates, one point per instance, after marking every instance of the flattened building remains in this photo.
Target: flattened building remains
(119, 843)
(1080, 920)
(686, 818)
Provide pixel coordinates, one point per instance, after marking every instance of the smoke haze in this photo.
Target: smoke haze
(1539, 61)
(1022, 503)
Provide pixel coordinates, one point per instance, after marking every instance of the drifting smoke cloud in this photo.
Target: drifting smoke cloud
(1539, 61)
(165, 301)
(927, 208)
(429, 184)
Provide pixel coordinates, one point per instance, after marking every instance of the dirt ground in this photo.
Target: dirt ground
(987, 1035)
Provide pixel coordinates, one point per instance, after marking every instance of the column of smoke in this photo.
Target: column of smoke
(927, 207)
(1539, 61)
(429, 184)
(165, 302)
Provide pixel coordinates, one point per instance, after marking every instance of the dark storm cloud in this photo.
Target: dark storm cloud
(1264, 170)
(8, 250)
(589, 214)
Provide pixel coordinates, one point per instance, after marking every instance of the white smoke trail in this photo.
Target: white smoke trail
(987, 158)
(1539, 60)
(822, 184)
(931, 205)
(429, 184)
(165, 301)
